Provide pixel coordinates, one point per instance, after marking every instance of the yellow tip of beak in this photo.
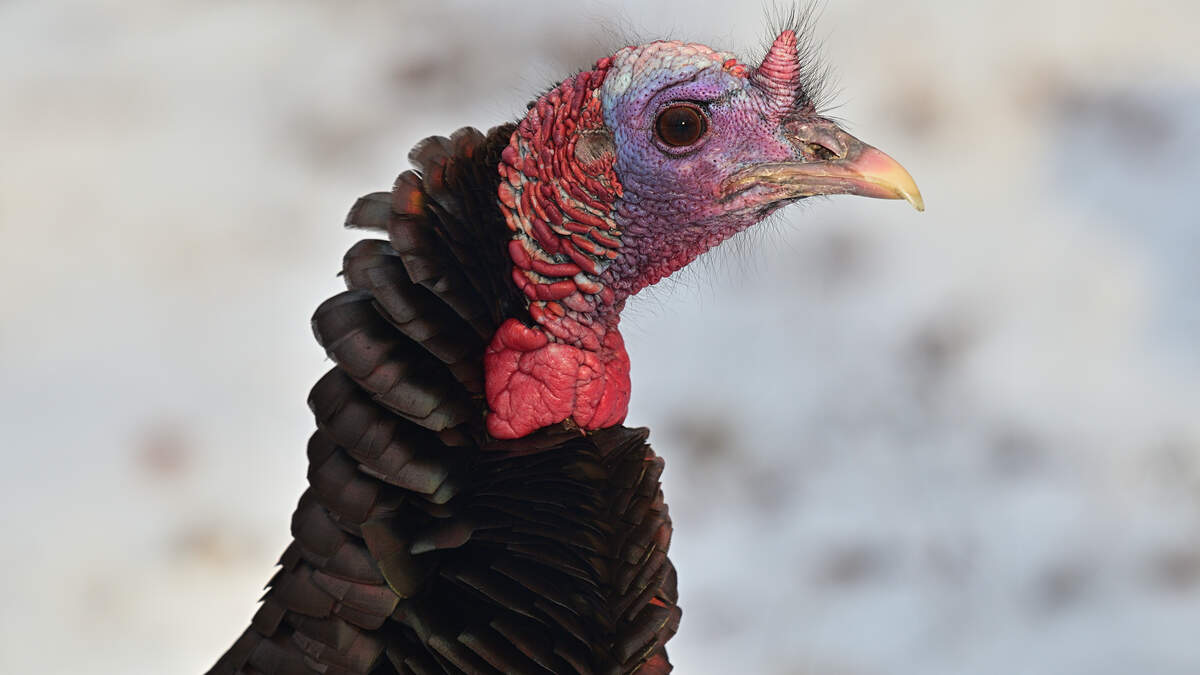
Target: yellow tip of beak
(876, 168)
(915, 199)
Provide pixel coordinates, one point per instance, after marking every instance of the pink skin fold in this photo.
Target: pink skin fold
(778, 76)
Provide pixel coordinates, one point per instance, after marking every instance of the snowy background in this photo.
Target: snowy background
(958, 442)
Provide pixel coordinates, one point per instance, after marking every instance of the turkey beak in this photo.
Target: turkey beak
(829, 162)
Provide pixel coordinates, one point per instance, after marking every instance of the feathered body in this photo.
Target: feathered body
(474, 504)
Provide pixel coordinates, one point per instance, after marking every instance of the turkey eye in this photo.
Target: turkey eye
(680, 125)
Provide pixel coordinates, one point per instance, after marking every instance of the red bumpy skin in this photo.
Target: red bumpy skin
(533, 382)
(557, 197)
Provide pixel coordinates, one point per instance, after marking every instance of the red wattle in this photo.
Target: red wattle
(533, 382)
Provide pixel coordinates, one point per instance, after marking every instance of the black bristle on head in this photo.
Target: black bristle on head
(816, 91)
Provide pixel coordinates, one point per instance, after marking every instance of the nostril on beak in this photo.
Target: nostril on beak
(817, 141)
(820, 152)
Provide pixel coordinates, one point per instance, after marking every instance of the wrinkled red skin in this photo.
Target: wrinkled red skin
(533, 382)
(568, 361)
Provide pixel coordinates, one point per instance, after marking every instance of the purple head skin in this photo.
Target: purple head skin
(764, 146)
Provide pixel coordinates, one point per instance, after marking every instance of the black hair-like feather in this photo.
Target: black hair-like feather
(817, 83)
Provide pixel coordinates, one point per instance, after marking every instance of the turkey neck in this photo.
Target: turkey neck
(558, 189)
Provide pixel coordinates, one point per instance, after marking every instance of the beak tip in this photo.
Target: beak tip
(886, 174)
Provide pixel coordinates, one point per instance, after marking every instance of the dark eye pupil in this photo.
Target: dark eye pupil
(680, 125)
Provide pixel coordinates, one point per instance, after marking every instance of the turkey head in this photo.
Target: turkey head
(627, 172)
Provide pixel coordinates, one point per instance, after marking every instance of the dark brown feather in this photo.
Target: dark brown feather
(422, 546)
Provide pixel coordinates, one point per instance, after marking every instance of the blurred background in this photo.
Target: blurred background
(964, 441)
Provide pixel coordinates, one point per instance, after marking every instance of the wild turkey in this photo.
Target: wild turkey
(475, 505)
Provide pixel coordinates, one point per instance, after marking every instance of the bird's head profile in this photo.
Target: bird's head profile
(627, 172)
